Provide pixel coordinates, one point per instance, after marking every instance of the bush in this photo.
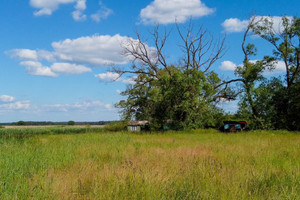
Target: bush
(71, 123)
(116, 126)
(20, 123)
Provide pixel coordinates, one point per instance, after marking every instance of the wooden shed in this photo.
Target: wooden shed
(137, 126)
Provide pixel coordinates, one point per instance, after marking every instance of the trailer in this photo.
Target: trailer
(234, 126)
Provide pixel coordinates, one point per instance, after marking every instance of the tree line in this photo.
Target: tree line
(186, 95)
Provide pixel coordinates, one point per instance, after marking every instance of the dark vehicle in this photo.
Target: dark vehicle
(234, 126)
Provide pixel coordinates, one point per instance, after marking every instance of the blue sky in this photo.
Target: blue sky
(55, 54)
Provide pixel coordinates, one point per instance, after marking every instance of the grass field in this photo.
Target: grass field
(203, 164)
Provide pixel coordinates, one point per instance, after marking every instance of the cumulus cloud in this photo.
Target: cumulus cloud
(7, 98)
(102, 13)
(96, 50)
(78, 13)
(111, 76)
(47, 7)
(228, 66)
(67, 68)
(171, 11)
(279, 67)
(236, 25)
(103, 50)
(23, 54)
(108, 76)
(36, 68)
(75, 56)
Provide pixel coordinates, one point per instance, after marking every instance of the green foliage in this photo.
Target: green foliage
(116, 126)
(272, 103)
(71, 123)
(186, 98)
(20, 123)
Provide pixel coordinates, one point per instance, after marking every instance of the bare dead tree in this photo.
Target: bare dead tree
(201, 49)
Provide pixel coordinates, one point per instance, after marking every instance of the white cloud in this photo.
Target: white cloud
(111, 76)
(23, 54)
(279, 67)
(81, 5)
(103, 50)
(47, 7)
(228, 66)
(96, 50)
(236, 25)
(130, 81)
(171, 11)
(108, 76)
(118, 91)
(102, 13)
(78, 13)
(67, 68)
(19, 105)
(70, 56)
(36, 68)
(6, 98)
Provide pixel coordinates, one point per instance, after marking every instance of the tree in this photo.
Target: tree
(250, 73)
(271, 103)
(286, 43)
(184, 95)
(20, 123)
(71, 123)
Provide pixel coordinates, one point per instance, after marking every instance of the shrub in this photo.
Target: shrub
(71, 123)
(116, 126)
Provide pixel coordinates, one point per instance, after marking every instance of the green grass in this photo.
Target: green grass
(202, 164)
(29, 132)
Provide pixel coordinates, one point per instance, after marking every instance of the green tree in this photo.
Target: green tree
(183, 95)
(286, 43)
(249, 74)
(20, 123)
(71, 123)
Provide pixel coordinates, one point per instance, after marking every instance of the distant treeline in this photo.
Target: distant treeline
(43, 123)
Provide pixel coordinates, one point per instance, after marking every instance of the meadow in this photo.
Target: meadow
(87, 163)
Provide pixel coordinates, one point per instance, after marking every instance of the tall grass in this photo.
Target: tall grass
(28, 132)
(202, 164)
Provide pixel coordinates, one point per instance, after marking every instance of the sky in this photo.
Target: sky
(55, 55)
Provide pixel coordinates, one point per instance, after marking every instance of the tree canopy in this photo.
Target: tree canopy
(185, 95)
